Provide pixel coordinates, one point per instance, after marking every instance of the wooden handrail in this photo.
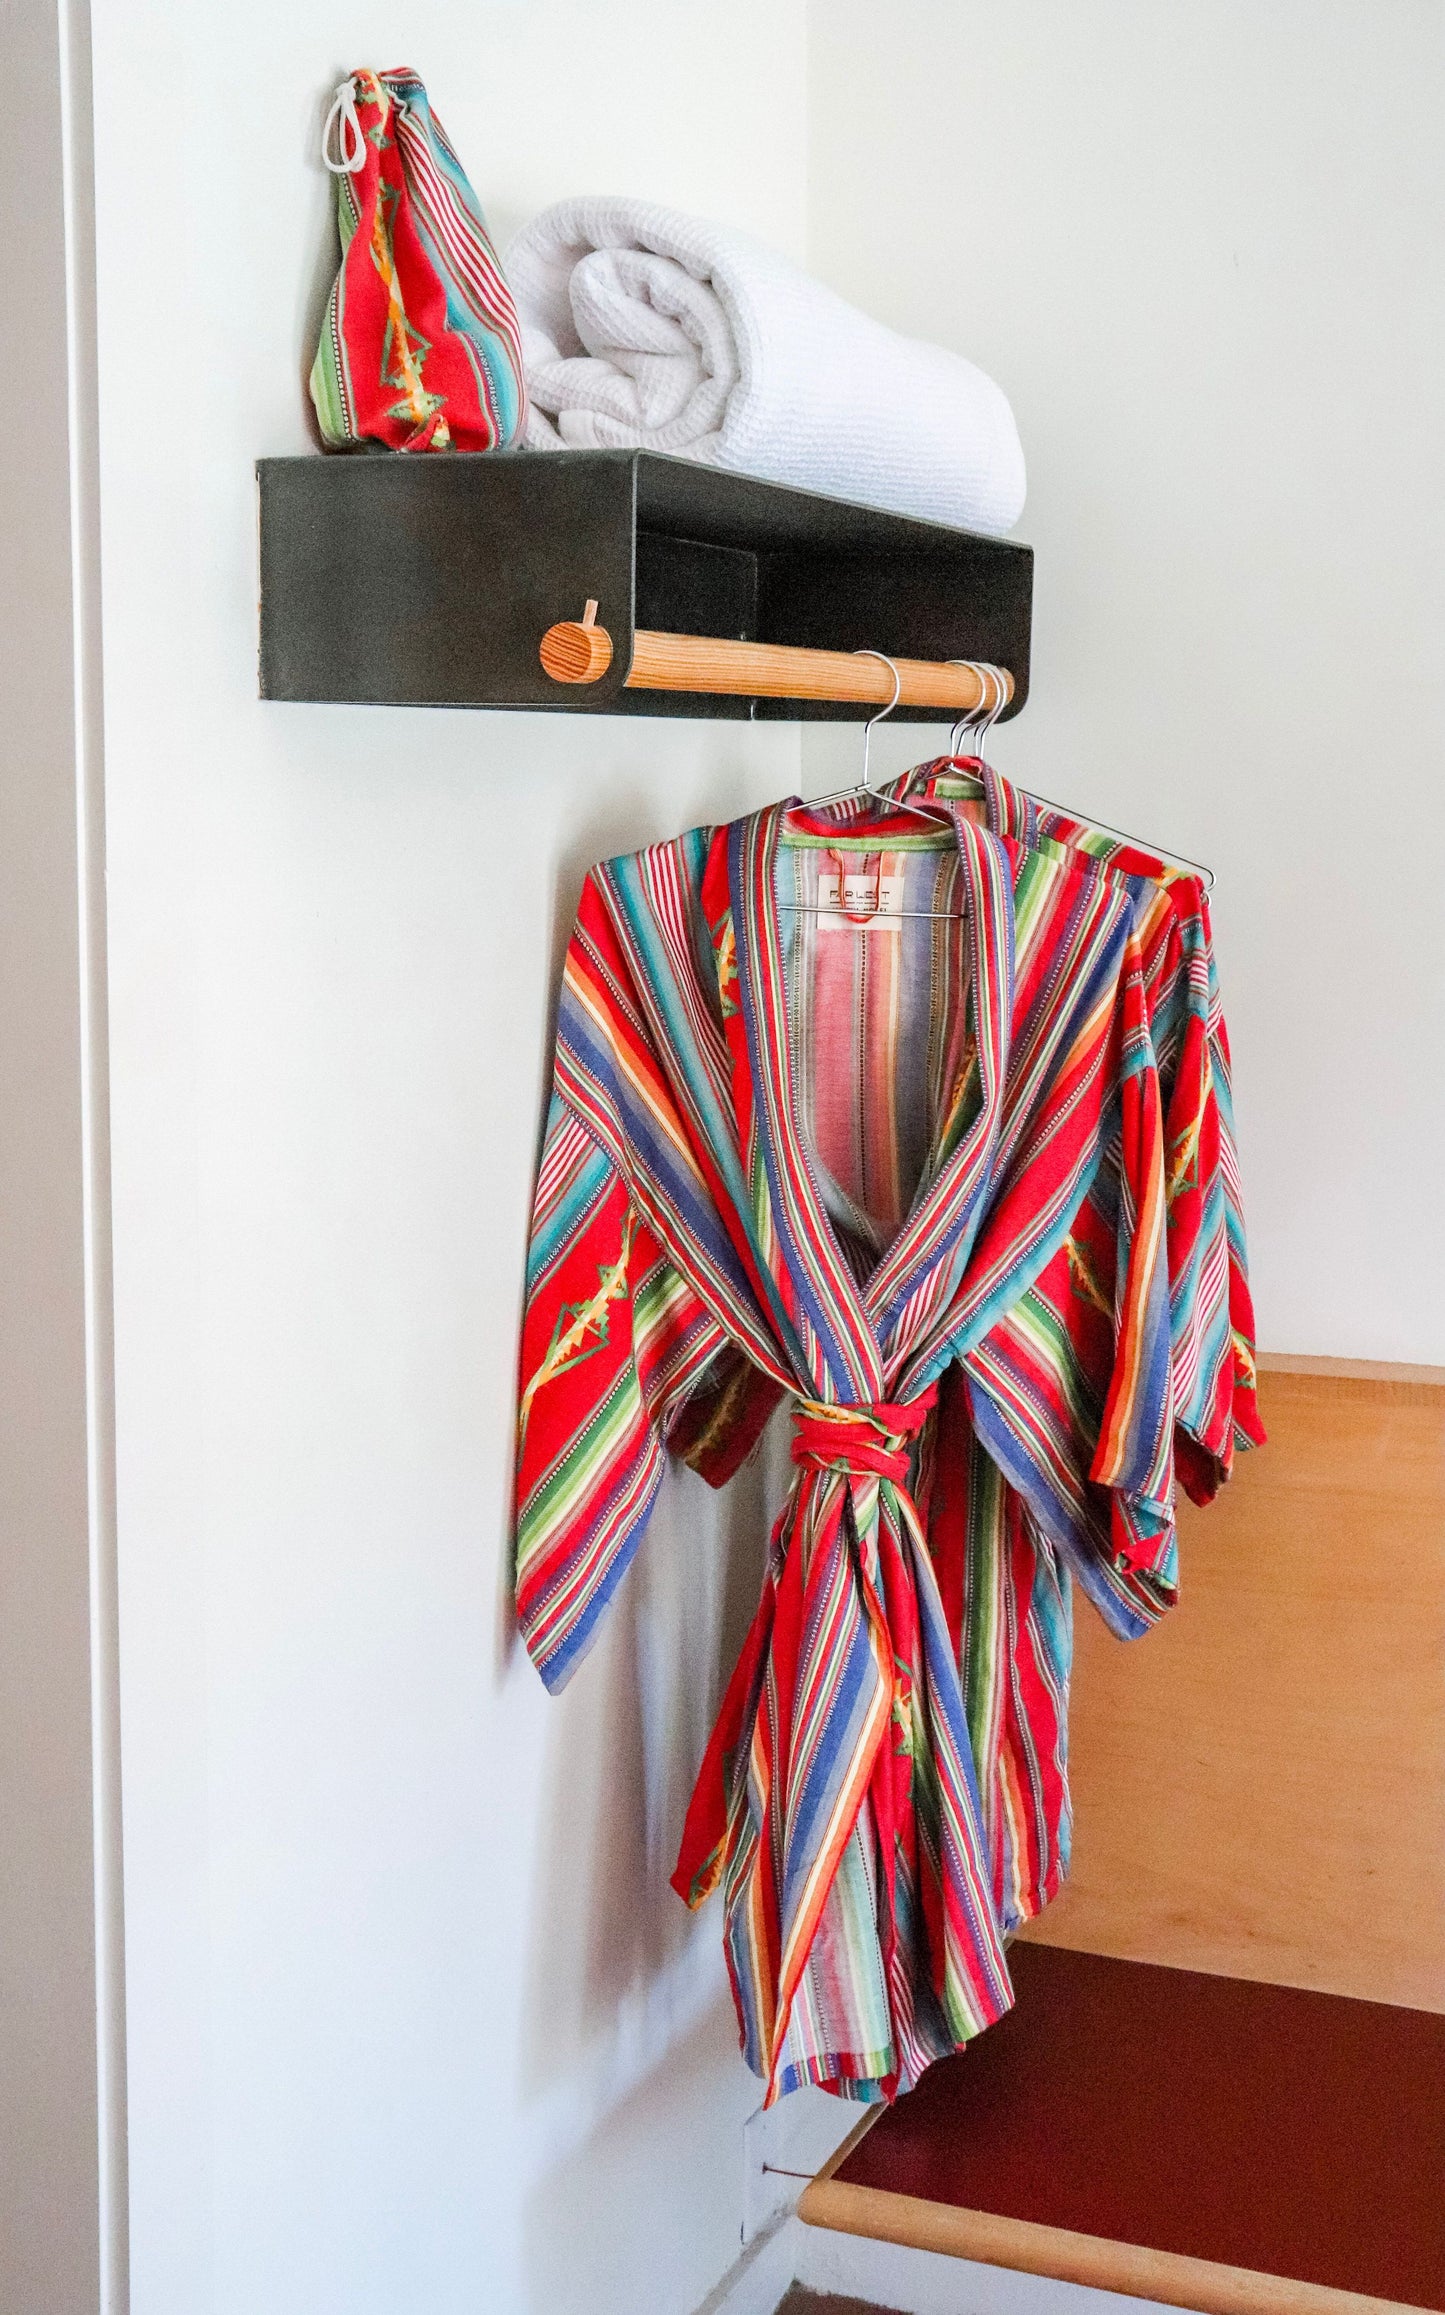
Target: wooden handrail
(1063, 2256)
(579, 651)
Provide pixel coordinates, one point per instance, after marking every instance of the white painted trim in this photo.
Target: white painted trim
(62, 2113)
(83, 426)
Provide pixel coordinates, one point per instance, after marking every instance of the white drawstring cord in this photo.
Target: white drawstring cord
(350, 140)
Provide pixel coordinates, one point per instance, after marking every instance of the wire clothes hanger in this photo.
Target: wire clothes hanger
(1139, 843)
(979, 722)
(863, 787)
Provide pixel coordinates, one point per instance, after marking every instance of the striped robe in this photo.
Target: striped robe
(980, 1342)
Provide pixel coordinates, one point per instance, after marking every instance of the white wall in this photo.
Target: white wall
(1200, 247)
(413, 2020)
(415, 2023)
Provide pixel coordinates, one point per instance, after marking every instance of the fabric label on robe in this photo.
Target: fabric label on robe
(866, 903)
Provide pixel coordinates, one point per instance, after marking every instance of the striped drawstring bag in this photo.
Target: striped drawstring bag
(419, 349)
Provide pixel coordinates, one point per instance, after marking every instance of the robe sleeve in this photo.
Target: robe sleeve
(1249, 1430)
(612, 1341)
(1134, 1456)
(1212, 1315)
(1071, 1389)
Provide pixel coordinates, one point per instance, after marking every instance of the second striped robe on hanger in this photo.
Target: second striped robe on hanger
(694, 1259)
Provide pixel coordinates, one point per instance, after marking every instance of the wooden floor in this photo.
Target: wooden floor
(1177, 2122)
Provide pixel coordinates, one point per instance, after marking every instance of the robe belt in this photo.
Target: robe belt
(828, 1442)
(857, 1441)
(840, 1700)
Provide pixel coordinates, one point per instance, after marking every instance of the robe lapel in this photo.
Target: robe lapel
(842, 1358)
(848, 1326)
(914, 1276)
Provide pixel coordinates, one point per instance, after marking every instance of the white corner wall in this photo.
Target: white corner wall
(414, 2021)
(1200, 248)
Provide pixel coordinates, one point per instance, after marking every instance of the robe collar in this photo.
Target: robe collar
(1007, 810)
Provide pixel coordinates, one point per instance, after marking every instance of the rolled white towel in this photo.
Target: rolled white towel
(644, 328)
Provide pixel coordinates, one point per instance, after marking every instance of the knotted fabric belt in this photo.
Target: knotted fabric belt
(857, 1440)
(846, 1700)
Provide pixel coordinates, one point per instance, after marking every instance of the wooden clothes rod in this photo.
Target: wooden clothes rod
(579, 651)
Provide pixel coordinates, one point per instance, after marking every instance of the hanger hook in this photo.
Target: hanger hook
(993, 698)
(892, 666)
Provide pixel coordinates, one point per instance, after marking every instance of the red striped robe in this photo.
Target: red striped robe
(1005, 1360)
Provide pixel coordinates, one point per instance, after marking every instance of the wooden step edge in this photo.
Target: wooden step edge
(1351, 1370)
(1064, 2257)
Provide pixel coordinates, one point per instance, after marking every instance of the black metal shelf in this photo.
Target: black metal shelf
(430, 581)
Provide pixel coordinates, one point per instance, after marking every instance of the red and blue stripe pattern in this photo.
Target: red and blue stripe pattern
(1212, 1313)
(885, 1792)
(420, 348)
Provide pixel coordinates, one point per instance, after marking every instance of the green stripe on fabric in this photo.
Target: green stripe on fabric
(924, 841)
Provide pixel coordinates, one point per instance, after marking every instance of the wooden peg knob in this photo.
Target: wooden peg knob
(577, 650)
